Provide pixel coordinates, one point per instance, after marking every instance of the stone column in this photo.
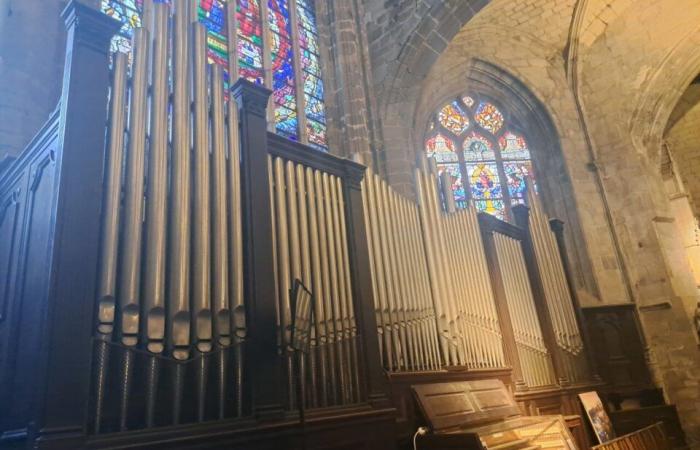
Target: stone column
(351, 105)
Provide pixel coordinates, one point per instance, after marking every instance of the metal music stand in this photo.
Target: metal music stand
(302, 319)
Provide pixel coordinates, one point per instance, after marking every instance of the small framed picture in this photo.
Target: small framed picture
(597, 416)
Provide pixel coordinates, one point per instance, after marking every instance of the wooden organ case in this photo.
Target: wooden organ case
(483, 415)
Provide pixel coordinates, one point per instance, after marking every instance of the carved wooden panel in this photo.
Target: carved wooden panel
(618, 346)
(30, 296)
(9, 214)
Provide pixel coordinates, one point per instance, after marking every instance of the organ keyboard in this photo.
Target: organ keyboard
(483, 415)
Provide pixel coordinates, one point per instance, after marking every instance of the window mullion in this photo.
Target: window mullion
(232, 41)
(465, 175)
(503, 180)
(298, 78)
(267, 62)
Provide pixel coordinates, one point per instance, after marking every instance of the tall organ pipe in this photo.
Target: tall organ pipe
(220, 252)
(442, 322)
(129, 299)
(317, 283)
(201, 236)
(382, 308)
(325, 264)
(179, 320)
(156, 205)
(109, 248)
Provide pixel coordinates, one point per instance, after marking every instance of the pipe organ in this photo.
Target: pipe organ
(463, 294)
(557, 294)
(174, 309)
(400, 280)
(311, 245)
(170, 295)
(532, 351)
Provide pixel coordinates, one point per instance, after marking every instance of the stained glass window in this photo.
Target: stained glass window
(489, 117)
(442, 149)
(295, 77)
(454, 119)
(488, 161)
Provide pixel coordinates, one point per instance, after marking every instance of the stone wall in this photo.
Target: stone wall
(683, 139)
(31, 68)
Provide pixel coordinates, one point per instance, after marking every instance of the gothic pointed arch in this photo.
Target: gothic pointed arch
(515, 113)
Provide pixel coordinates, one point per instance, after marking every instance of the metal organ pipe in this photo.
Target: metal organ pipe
(109, 248)
(317, 286)
(130, 271)
(179, 318)
(156, 206)
(220, 253)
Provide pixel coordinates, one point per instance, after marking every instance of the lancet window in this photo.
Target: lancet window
(277, 44)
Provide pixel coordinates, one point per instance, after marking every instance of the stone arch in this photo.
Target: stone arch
(424, 30)
(660, 96)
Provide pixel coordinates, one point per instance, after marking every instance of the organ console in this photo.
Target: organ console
(482, 415)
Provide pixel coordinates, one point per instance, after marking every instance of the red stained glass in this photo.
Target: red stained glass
(489, 117)
(453, 118)
(513, 146)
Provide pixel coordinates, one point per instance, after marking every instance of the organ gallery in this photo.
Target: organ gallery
(256, 224)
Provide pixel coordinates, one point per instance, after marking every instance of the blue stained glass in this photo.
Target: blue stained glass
(308, 40)
(283, 81)
(484, 182)
(211, 14)
(456, 180)
(519, 175)
(278, 17)
(309, 62)
(285, 96)
(315, 109)
(307, 18)
(286, 122)
(313, 85)
(282, 63)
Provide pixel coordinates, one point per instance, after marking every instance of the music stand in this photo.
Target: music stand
(302, 319)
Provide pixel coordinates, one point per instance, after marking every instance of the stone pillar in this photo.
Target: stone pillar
(348, 80)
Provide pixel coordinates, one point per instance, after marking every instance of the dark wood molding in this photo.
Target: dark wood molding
(375, 382)
(488, 226)
(65, 352)
(261, 356)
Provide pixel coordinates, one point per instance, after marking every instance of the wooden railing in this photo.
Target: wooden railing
(649, 438)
